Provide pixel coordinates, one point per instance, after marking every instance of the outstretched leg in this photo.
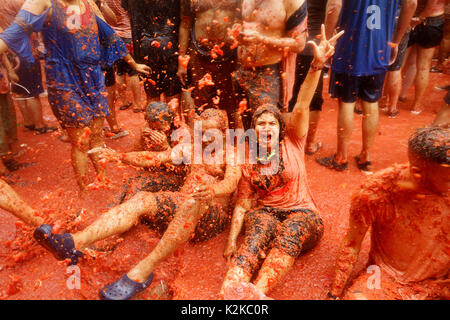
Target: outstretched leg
(117, 220)
(11, 201)
(179, 231)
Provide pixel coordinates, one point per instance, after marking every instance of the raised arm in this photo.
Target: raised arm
(333, 13)
(299, 119)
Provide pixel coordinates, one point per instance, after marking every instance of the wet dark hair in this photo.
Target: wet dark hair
(215, 114)
(159, 112)
(270, 108)
(431, 143)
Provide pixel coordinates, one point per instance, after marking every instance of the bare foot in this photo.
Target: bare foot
(313, 148)
(416, 110)
(243, 291)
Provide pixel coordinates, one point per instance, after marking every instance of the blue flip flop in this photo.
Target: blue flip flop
(60, 245)
(124, 288)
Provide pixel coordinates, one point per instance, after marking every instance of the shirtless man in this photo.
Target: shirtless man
(198, 212)
(408, 208)
(424, 39)
(271, 29)
(204, 39)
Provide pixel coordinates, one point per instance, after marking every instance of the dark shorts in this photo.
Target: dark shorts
(211, 224)
(402, 48)
(261, 85)
(447, 97)
(160, 54)
(121, 68)
(110, 76)
(221, 73)
(291, 231)
(301, 71)
(349, 88)
(429, 33)
(30, 79)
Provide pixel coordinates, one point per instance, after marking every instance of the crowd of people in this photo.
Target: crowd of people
(242, 81)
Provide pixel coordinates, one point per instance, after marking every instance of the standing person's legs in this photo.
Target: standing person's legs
(82, 139)
(346, 88)
(409, 71)
(96, 140)
(303, 65)
(370, 94)
(369, 130)
(394, 78)
(393, 88)
(8, 133)
(110, 84)
(424, 59)
(344, 130)
(123, 69)
(26, 115)
(79, 139)
(34, 107)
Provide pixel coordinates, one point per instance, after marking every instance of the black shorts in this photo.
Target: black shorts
(429, 33)
(402, 48)
(110, 76)
(301, 71)
(349, 88)
(30, 79)
(160, 54)
(447, 97)
(122, 67)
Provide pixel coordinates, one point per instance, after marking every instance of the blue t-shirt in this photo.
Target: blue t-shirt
(369, 26)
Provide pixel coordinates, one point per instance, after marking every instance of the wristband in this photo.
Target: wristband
(314, 67)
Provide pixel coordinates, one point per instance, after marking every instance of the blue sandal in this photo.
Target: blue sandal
(124, 288)
(60, 245)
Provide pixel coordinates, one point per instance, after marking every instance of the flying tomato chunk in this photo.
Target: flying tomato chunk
(205, 81)
(184, 60)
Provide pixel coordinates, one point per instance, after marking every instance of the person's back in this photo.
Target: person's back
(369, 27)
